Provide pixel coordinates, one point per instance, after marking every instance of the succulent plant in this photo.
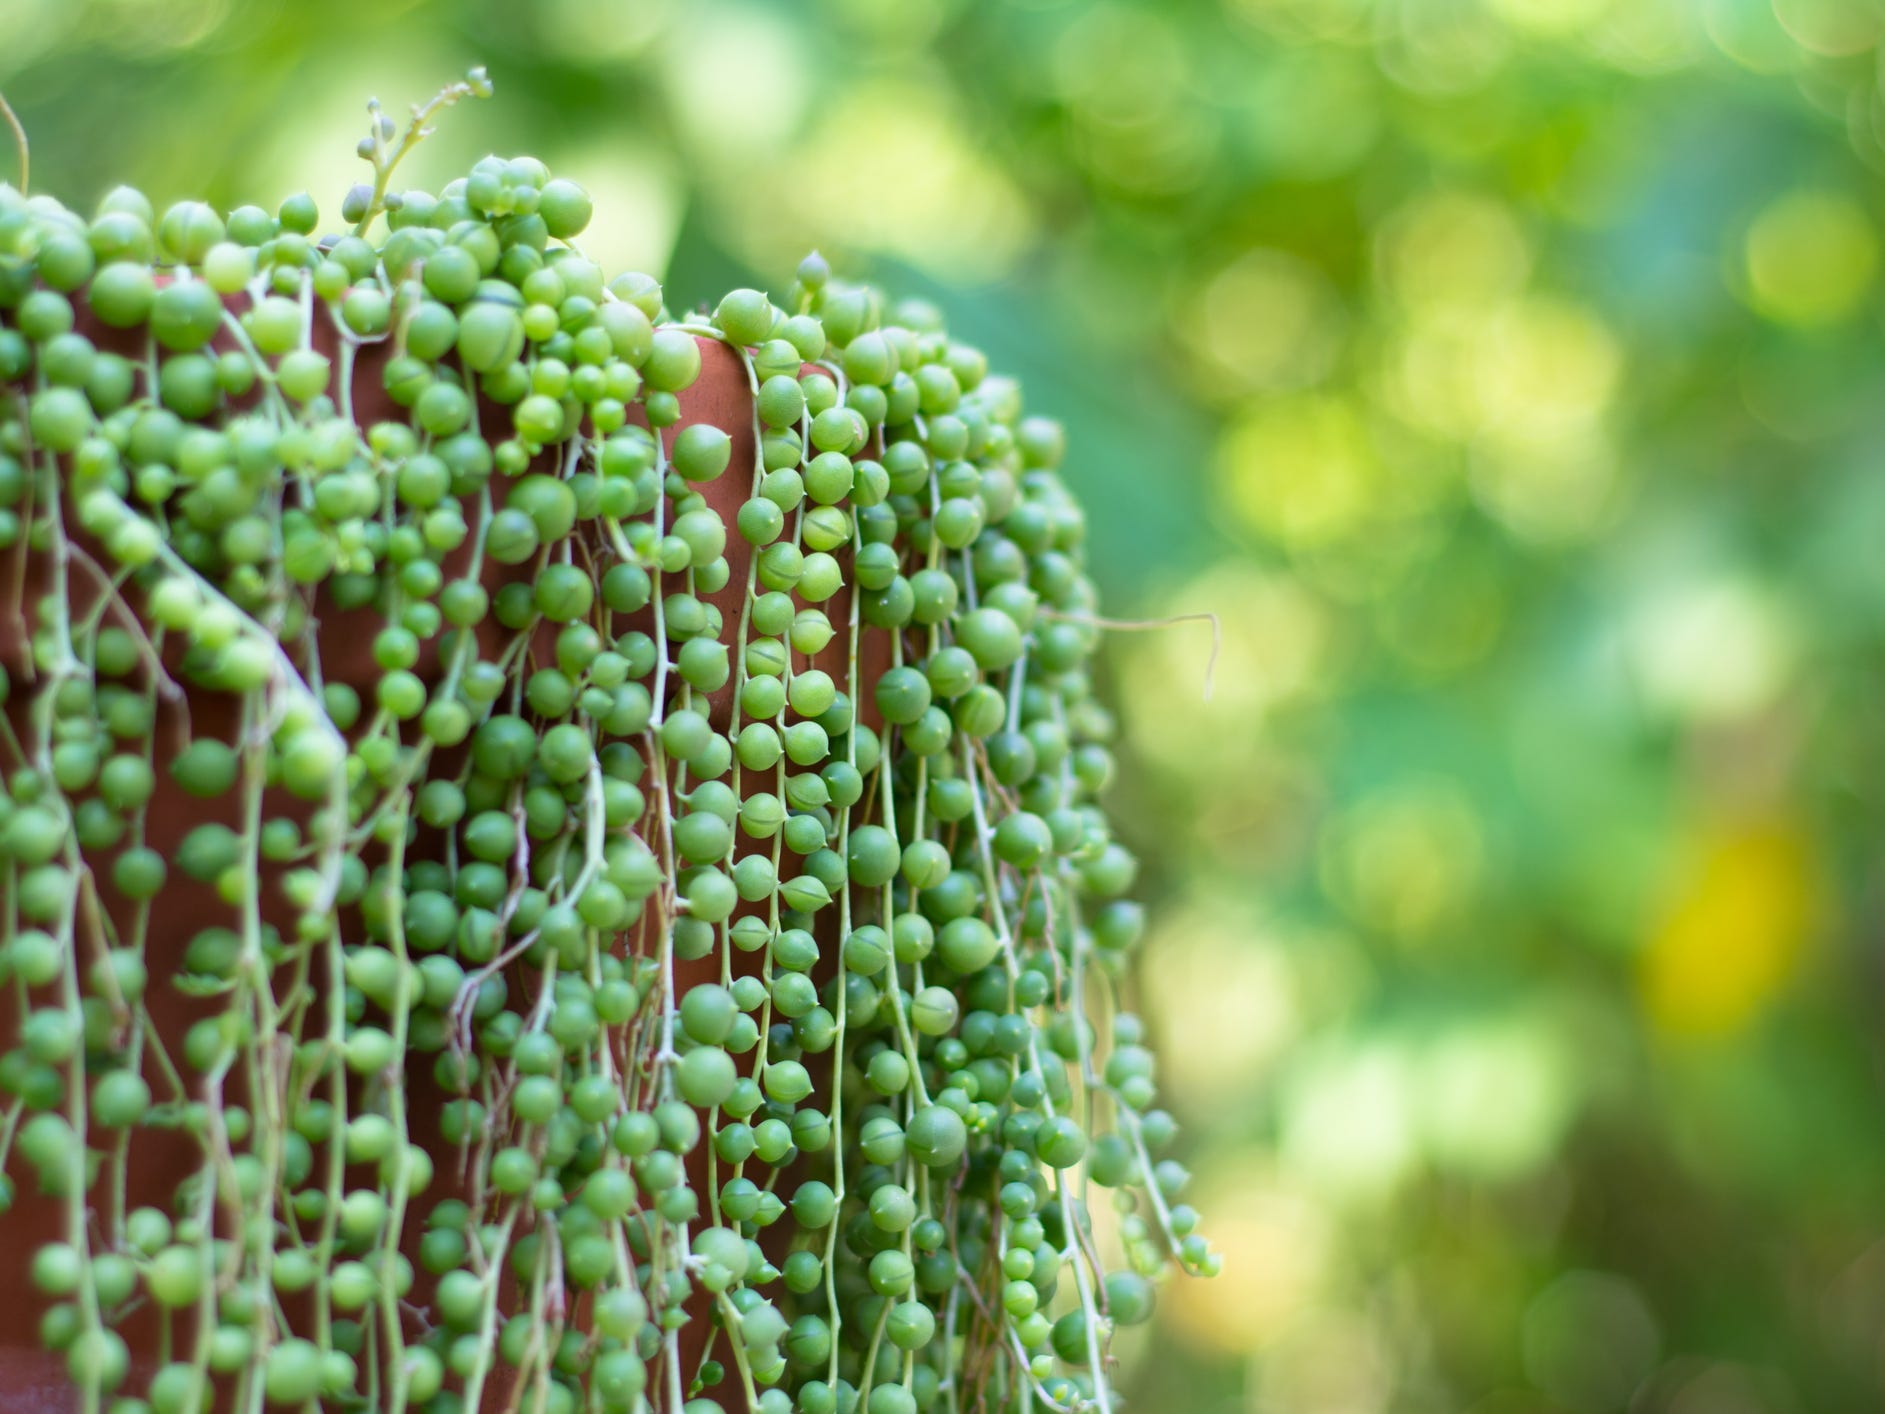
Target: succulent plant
(552, 852)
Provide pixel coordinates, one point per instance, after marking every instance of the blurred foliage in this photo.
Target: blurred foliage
(1507, 374)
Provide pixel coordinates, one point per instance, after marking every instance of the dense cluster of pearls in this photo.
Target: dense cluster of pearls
(763, 955)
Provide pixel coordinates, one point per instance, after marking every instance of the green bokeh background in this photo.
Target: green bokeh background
(1507, 376)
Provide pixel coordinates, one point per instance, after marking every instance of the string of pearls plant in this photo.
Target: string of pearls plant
(862, 1154)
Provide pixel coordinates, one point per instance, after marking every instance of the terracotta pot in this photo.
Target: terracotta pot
(33, 1381)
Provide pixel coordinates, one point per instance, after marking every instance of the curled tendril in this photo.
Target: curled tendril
(378, 147)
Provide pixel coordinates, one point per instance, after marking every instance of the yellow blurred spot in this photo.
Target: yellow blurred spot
(1546, 367)
(1303, 470)
(1811, 257)
(1734, 933)
(1276, 1243)
(1450, 248)
(1265, 321)
(1526, 382)
(1223, 996)
(1487, 1095)
(1426, 374)
(1405, 860)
